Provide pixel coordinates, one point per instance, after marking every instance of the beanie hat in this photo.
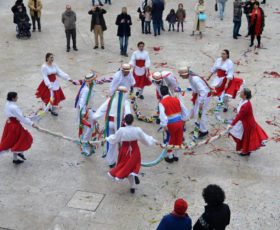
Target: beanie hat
(180, 207)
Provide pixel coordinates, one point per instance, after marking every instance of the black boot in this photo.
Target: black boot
(21, 156)
(259, 41)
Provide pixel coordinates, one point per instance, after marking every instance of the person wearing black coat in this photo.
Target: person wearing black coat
(217, 214)
(14, 8)
(157, 11)
(98, 25)
(248, 8)
(123, 22)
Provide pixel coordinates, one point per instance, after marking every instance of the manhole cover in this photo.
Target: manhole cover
(86, 200)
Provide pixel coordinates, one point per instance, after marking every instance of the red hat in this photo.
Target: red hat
(180, 207)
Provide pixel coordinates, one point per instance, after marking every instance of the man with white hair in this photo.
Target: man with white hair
(200, 99)
(123, 77)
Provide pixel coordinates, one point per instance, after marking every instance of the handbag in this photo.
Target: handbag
(201, 17)
(216, 7)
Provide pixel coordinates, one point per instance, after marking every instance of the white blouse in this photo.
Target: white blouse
(199, 86)
(121, 80)
(12, 110)
(227, 66)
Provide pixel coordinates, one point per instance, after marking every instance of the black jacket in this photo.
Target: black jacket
(157, 9)
(21, 17)
(248, 7)
(123, 28)
(14, 9)
(97, 13)
(213, 218)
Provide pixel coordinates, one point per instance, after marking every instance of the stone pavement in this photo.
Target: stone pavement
(59, 189)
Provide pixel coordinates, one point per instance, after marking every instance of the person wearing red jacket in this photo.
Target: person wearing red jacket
(245, 131)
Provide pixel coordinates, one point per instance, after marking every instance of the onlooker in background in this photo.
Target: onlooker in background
(237, 16)
(248, 7)
(263, 2)
(123, 22)
(199, 24)
(99, 1)
(148, 19)
(157, 10)
(142, 18)
(98, 25)
(162, 22)
(69, 20)
(178, 219)
(35, 7)
(108, 1)
(257, 24)
(216, 214)
(171, 18)
(221, 7)
(14, 8)
(180, 15)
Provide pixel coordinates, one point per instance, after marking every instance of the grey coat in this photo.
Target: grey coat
(237, 11)
(69, 20)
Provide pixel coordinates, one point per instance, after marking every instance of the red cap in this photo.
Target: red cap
(180, 207)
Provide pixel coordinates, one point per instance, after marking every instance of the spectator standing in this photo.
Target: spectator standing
(98, 25)
(216, 214)
(221, 6)
(162, 23)
(181, 15)
(142, 18)
(171, 18)
(178, 219)
(69, 20)
(256, 24)
(123, 22)
(35, 7)
(199, 25)
(263, 2)
(148, 19)
(15, 8)
(108, 2)
(237, 16)
(248, 7)
(99, 1)
(157, 10)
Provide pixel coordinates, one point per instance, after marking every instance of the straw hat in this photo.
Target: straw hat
(126, 67)
(90, 76)
(157, 76)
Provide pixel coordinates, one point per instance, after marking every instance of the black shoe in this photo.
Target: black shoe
(141, 97)
(239, 35)
(137, 181)
(132, 190)
(126, 55)
(225, 110)
(169, 160)
(95, 47)
(112, 165)
(39, 30)
(102, 47)
(155, 35)
(101, 4)
(245, 154)
(54, 113)
(175, 158)
(251, 44)
(17, 162)
(21, 156)
(137, 94)
(75, 48)
(157, 121)
(235, 37)
(67, 50)
(33, 30)
(202, 134)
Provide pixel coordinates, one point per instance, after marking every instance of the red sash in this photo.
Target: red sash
(140, 63)
(52, 77)
(221, 73)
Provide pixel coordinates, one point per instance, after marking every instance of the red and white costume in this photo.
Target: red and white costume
(50, 83)
(112, 152)
(246, 132)
(172, 114)
(224, 71)
(15, 137)
(201, 95)
(120, 80)
(140, 61)
(129, 159)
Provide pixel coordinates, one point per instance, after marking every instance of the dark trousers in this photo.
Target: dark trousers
(178, 25)
(236, 28)
(157, 25)
(147, 27)
(253, 38)
(143, 26)
(69, 34)
(171, 25)
(108, 1)
(123, 44)
(248, 21)
(34, 19)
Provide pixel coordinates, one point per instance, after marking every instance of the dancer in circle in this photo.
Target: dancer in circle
(140, 61)
(129, 159)
(50, 86)
(244, 129)
(15, 138)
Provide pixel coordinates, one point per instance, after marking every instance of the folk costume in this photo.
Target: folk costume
(113, 109)
(140, 61)
(246, 132)
(172, 114)
(50, 86)
(129, 158)
(15, 137)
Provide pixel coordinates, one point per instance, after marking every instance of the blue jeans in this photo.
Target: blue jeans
(221, 9)
(157, 25)
(99, 1)
(108, 1)
(123, 44)
(236, 28)
(147, 27)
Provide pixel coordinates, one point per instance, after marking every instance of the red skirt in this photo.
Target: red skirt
(220, 89)
(15, 137)
(252, 139)
(234, 86)
(141, 81)
(176, 131)
(128, 161)
(43, 92)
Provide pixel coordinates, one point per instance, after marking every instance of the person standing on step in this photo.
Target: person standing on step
(35, 7)
(15, 138)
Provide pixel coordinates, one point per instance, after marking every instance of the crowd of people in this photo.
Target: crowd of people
(133, 77)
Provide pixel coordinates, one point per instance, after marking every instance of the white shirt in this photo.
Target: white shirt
(199, 86)
(170, 81)
(121, 80)
(140, 55)
(130, 133)
(227, 66)
(12, 110)
(83, 99)
(163, 117)
(53, 69)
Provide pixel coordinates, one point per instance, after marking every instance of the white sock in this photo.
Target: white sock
(131, 181)
(15, 156)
